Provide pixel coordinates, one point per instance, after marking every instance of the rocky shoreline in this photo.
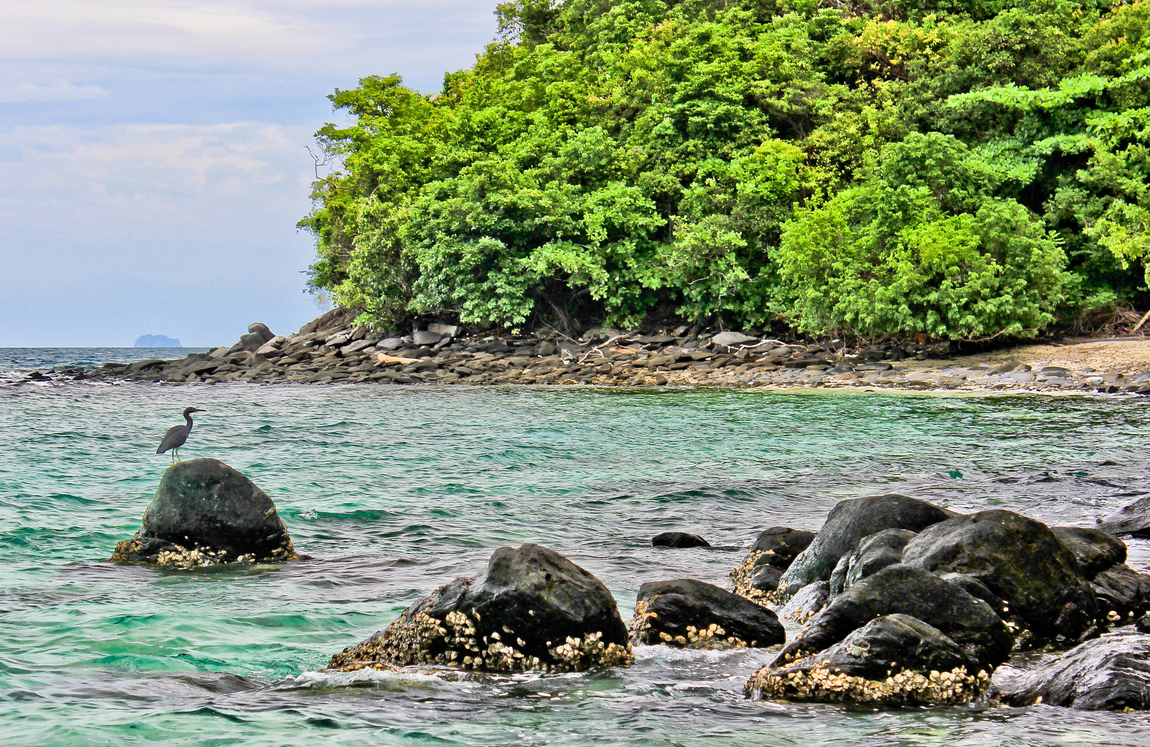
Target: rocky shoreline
(905, 602)
(332, 349)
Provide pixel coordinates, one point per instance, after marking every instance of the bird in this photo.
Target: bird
(177, 435)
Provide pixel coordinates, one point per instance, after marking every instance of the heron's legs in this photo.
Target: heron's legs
(176, 454)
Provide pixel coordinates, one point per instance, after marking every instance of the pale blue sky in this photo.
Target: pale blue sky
(153, 158)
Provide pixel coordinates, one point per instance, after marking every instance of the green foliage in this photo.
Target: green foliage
(919, 246)
(959, 168)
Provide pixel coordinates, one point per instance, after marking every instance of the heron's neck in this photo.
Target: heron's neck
(188, 417)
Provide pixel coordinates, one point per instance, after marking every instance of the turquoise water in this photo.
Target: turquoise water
(395, 491)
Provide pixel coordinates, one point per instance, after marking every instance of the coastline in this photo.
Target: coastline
(330, 350)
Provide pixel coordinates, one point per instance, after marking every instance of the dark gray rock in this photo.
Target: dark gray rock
(807, 602)
(978, 590)
(1108, 673)
(390, 343)
(678, 540)
(532, 609)
(847, 524)
(700, 615)
(1094, 550)
(895, 660)
(872, 555)
(1021, 561)
(1133, 520)
(758, 575)
(206, 512)
(1119, 592)
(423, 337)
(899, 589)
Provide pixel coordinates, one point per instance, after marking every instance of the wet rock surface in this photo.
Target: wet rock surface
(333, 349)
(532, 609)
(894, 660)
(1021, 561)
(678, 540)
(900, 589)
(807, 602)
(872, 555)
(757, 577)
(1108, 673)
(848, 523)
(206, 513)
(1132, 520)
(689, 613)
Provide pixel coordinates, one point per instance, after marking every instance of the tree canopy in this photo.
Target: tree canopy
(954, 168)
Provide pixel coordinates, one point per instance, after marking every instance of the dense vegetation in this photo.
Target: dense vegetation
(954, 168)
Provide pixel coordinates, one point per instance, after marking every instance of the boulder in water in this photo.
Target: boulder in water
(807, 602)
(1108, 673)
(1133, 519)
(847, 524)
(532, 609)
(678, 540)
(894, 660)
(204, 513)
(899, 589)
(1021, 561)
(689, 613)
(872, 555)
(757, 577)
(1094, 550)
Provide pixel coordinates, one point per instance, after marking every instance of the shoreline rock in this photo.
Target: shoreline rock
(332, 349)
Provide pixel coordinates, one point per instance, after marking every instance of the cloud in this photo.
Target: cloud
(60, 90)
(302, 37)
(170, 205)
(137, 197)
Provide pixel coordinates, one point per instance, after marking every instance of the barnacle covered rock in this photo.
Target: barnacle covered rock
(531, 610)
(689, 613)
(894, 660)
(899, 589)
(757, 577)
(847, 524)
(206, 513)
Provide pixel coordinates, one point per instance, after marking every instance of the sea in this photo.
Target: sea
(393, 491)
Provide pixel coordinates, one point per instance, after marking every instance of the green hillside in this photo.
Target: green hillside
(958, 169)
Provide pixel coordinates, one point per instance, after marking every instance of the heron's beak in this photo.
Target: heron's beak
(198, 410)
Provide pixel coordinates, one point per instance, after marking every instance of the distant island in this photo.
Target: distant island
(156, 341)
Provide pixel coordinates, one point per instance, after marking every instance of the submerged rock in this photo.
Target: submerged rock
(1108, 673)
(204, 513)
(895, 659)
(1021, 561)
(689, 613)
(531, 609)
(757, 577)
(678, 540)
(847, 524)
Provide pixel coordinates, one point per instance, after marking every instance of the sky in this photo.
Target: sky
(154, 154)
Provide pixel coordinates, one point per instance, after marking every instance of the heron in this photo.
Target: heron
(177, 435)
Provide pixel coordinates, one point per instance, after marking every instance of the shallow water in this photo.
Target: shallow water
(395, 491)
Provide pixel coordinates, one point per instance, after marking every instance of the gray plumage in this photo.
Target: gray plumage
(178, 434)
